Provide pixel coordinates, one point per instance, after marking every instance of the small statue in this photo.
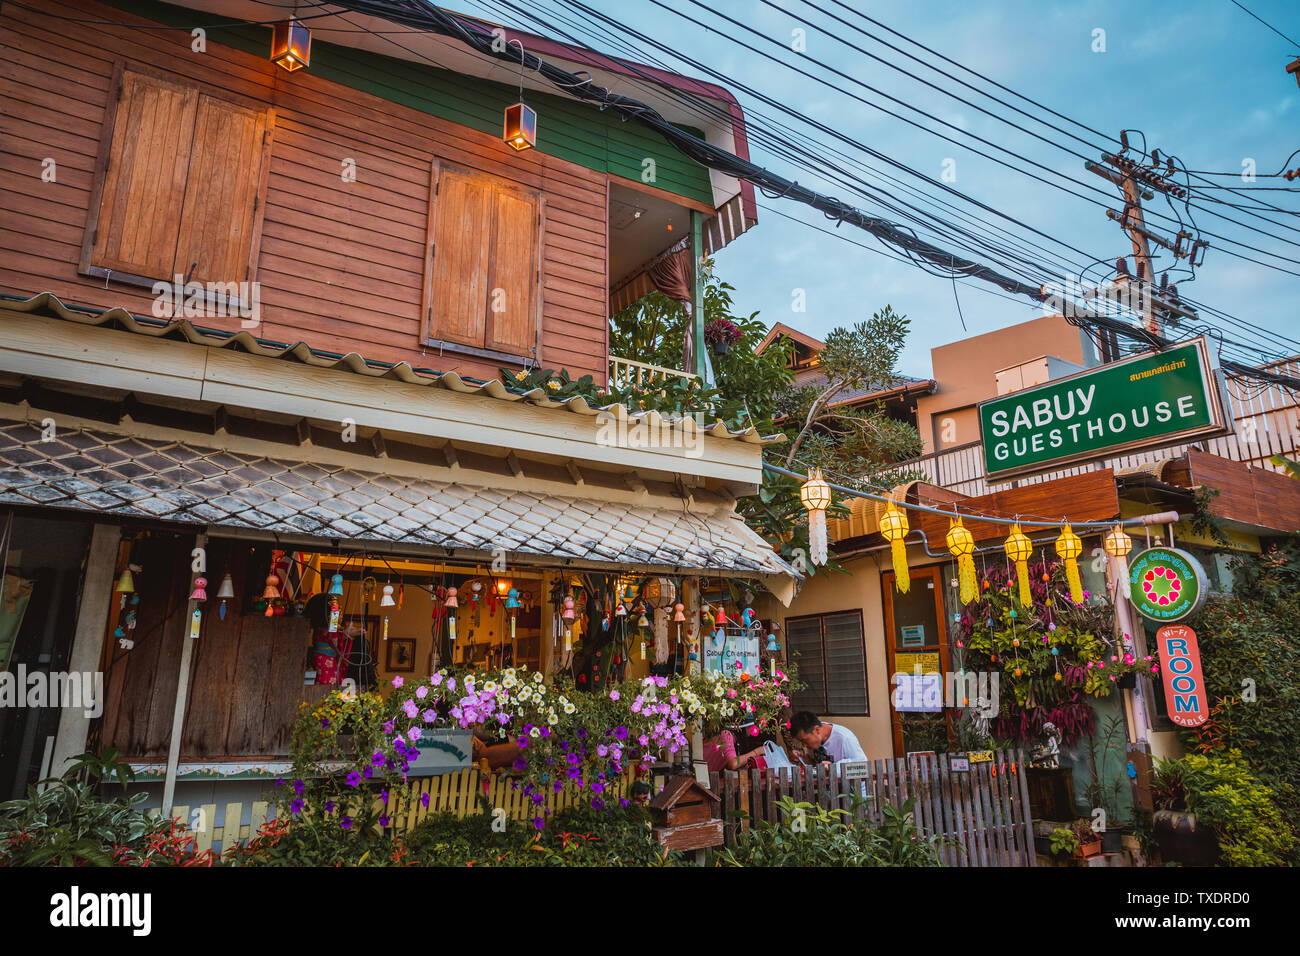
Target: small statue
(1047, 754)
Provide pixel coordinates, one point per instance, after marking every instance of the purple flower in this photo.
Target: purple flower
(424, 800)
(383, 795)
(384, 820)
(329, 806)
(621, 733)
(324, 722)
(377, 758)
(368, 773)
(298, 787)
(346, 823)
(388, 727)
(538, 822)
(296, 806)
(354, 779)
(520, 763)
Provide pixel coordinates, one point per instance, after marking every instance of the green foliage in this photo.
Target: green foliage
(810, 835)
(1064, 842)
(69, 824)
(1252, 829)
(1251, 662)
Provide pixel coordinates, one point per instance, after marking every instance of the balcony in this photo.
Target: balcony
(625, 372)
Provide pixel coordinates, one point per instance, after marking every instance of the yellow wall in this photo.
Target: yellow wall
(859, 590)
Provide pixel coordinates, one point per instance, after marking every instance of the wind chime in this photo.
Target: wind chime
(129, 603)
(387, 601)
(225, 594)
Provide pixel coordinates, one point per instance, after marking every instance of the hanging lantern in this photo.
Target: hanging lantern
(200, 590)
(291, 45)
(816, 497)
(1019, 548)
(387, 599)
(520, 127)
(961, 544)
(225, 594)
(1118, 545)
(272, 587)
(893, 527)
(336, 584)
(1069, 547)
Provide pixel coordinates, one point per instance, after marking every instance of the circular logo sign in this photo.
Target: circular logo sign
(1167, 584)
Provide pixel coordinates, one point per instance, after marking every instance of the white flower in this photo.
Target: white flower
(534, 732)
(568, 708)
(553, 719)
(538, 678)
(490, 687)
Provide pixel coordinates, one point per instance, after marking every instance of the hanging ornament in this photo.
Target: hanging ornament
(387, 599)
(1019, 548)
(272, 590)
(450, 606)
(512, 608)
(336, 584)
(961, 543)
(1118, 545)
(1069, 547)
(816, 497)
(225, 593)
(200, 590)
(568, 614)
(893, 527)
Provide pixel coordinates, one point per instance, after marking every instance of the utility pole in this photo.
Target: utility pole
(1137, 181)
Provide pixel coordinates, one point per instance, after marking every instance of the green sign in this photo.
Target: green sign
(1160, 398)
(1166, 584)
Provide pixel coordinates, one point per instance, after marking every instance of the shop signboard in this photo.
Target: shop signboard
(444, 750)
(1167, 584)
(737, 653)
(1148, 401)
(1180, 664)
(918, 683)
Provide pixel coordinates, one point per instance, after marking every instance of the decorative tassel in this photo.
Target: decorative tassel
(817, 542)
(961, 543)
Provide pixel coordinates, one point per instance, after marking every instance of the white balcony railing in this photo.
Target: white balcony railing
(624, 372)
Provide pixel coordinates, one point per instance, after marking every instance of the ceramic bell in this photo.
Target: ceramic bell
(512, 599)
(336, 585)
(387, 599)
(272, 587)
(568, 613)
(200, 590)
(451, 601)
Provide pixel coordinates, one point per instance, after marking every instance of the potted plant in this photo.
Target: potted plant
(1064, 843)
(721, 334)
(1106, 751)
(1088, 840)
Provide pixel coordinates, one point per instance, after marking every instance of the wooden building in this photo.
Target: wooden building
(277, 316)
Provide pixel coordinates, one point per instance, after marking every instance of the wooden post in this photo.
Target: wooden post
(182, 693)
(88, 641)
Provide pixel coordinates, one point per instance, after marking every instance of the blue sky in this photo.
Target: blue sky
(1203, 80)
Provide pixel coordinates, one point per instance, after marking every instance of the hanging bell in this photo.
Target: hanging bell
(387, 599)
(200, 590)
(272, 590)
(336, 584)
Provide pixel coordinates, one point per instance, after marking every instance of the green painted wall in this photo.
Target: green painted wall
(567, 129)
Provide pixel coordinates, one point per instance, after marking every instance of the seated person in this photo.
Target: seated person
(720, 750)
(829, 743)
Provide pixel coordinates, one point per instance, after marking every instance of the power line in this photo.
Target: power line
(1269, 25)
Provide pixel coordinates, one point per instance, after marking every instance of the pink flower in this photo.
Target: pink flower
(435, 680)
(421, 692)
(1155, 669)
(397, 681)
(613, 695)
(753, 731)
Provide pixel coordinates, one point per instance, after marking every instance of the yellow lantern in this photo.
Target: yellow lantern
(1019, 548)
(1118, 545)
(962, 545)
(893, 527)
(816, 497)
(1069, 547)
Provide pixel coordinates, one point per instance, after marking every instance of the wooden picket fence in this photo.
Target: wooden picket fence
(457, 793)
(983, 811)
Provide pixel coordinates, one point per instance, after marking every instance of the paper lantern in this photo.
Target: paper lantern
(1118, 544)
(200, 590)
(893, 527)
(816, 497)
(961, 544)
(1019, 548)
(387, 599)
(290, 45)
(1069, 547)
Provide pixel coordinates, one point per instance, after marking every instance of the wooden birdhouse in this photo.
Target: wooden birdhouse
(686, 815)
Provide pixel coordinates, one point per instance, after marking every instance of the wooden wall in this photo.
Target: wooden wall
(341, 264)
(246, 675)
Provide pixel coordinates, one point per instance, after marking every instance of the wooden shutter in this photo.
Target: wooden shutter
(457, 301)
(846, 669)
(218, 222)
(804, 639)
(139, 208)
(512, 300)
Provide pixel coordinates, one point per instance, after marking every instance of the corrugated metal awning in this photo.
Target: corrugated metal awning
(131, 477)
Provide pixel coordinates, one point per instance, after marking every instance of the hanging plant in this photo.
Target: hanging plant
(721, 334)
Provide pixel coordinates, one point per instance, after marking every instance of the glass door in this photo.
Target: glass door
(916, 640)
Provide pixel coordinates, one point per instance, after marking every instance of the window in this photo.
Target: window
(180, 185)
(482, 284)
(830, 656)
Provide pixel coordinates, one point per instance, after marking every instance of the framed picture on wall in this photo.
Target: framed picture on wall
(401, 655)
